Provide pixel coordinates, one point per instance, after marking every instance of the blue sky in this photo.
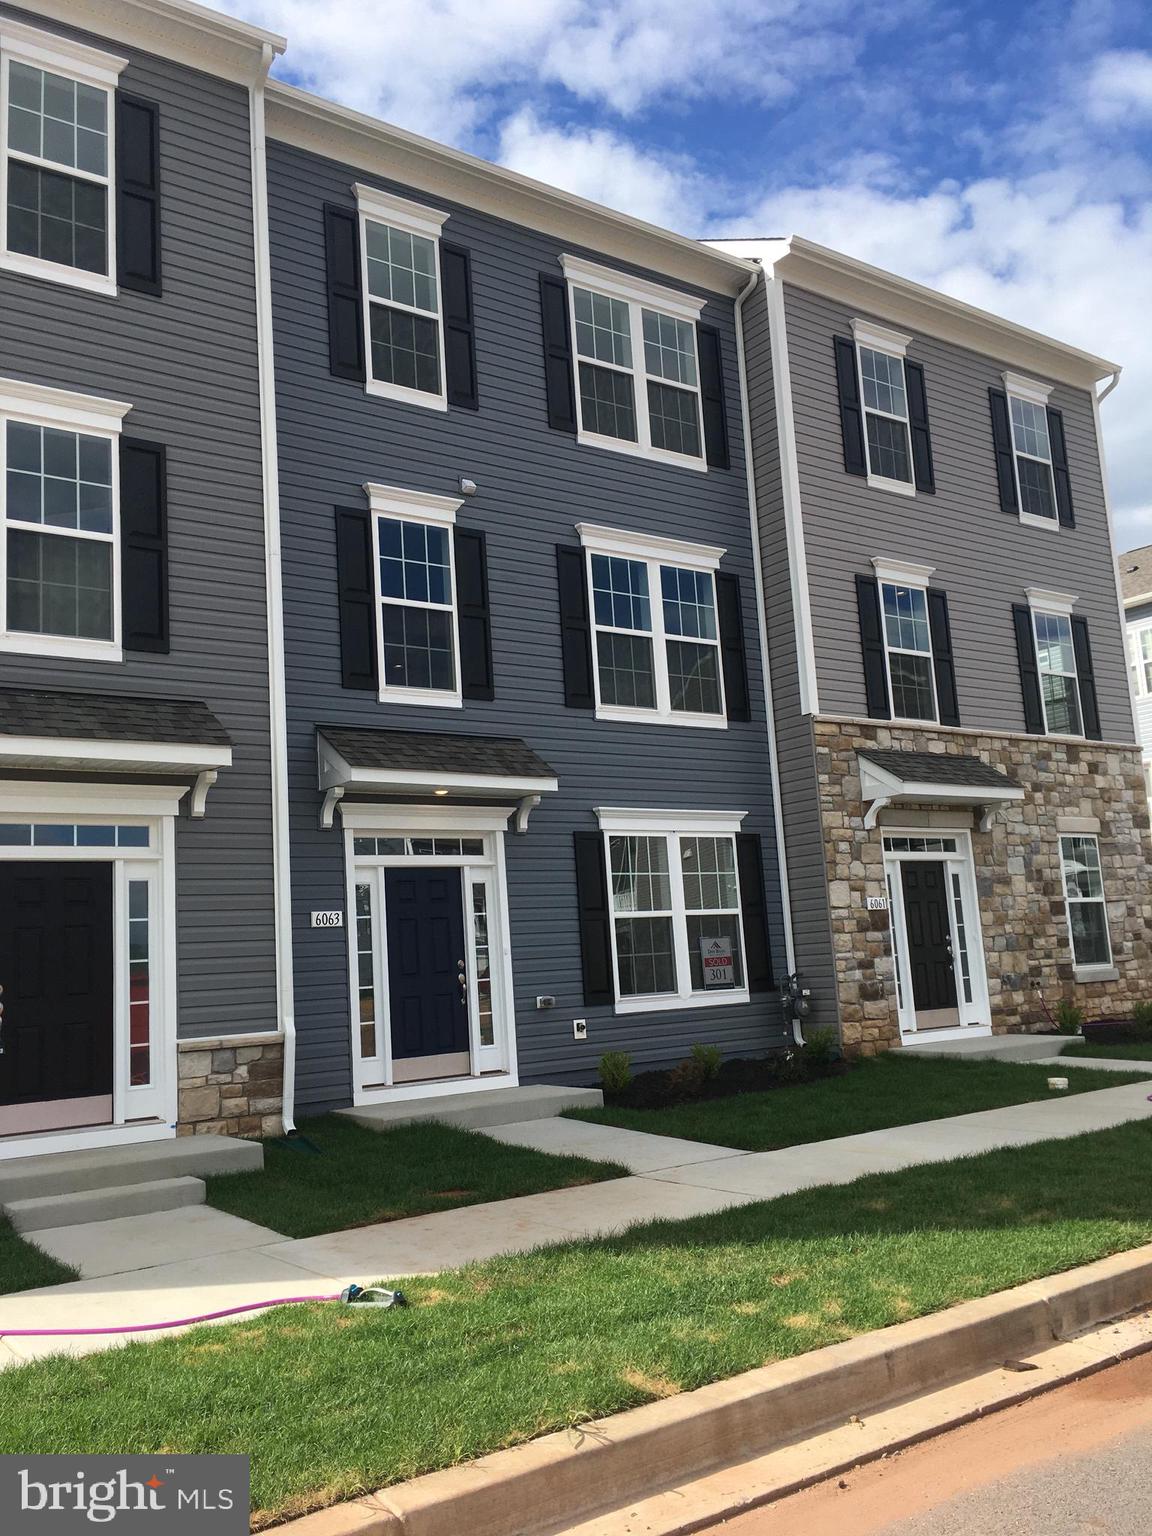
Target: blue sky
(1002, 152)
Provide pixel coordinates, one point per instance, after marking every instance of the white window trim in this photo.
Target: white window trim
(59, 55)
(90, 416)
(1099, 970)
(435, 511)
(1058, 605)
(1137, 661)
(653, 553)
(638, 295)
(671, 826)
(375, 206)
(878, 339)
(1035, 393)
(904, 573)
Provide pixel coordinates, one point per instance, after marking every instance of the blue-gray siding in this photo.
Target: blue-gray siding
(534, 486)
(187, 362)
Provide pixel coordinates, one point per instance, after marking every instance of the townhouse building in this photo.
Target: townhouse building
(136, 877)
(1135, 571)
(966, 831)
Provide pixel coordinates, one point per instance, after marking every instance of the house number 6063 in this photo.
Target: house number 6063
(327, 919)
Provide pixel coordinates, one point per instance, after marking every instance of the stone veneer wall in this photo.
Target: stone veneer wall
(1018, 876)
(230, 1089)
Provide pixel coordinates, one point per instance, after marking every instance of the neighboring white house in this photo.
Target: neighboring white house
(1136, 589)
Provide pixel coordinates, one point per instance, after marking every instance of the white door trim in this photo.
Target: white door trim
(144, 1112)
(975, 1016)
(494, 1066)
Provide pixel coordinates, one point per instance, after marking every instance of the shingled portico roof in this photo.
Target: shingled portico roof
(932, 778)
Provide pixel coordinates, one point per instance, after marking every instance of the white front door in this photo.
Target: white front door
(937, 944)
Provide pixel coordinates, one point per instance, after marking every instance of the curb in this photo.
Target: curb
(578, 1473)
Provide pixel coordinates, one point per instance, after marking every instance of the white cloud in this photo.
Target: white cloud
(1120, 84)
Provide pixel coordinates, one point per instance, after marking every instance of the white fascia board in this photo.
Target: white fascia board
(443, 818)
(61, 407)
(395, 501)
(636, 290)
(924, 311)
(1138, 598)
(903, 571)
(422, 781)
(1040, 599)
(418, 218)
(646, 546)
(628, 819)
(26, 798)
(53, 51)
(137, 756)
(180, 30)
(309, 122)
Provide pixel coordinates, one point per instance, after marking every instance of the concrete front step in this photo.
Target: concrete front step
(993, 1047)
(66, 1173)
(477, 1109)
(88, 1205)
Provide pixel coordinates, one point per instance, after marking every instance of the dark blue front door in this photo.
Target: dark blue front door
(428, 999)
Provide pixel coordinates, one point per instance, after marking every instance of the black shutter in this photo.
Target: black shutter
(872, 646)
(137, 194)
(757, 950)
(1086, 680)
(345, 322)
(1060, 468)
(942, 663)
(358, 667)
(476, 679)
(1002, 443)
(459, 327)
(557, 353)
(1029, 669)
(712, 396)
(143, 546)
(731, 623)
(851, 414)
(575, 628)
(918, 424)
(595, 919)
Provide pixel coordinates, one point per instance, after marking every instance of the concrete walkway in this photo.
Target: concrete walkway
(236, 1261)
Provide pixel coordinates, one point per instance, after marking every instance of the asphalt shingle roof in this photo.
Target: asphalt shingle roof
(1136, 571)
(437, 752)
(940, 768)
(108, 717)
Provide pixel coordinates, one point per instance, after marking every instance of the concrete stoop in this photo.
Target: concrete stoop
(64, 1189)
(993, 1047)
(477, 1109)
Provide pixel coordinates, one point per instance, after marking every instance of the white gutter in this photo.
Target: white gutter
(281, 859)
(762, 627)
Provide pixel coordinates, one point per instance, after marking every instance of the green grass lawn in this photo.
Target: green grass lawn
(363, 1176)
(330, 1403)
(1132, 1052)
(24, 1266)
(884, 1091)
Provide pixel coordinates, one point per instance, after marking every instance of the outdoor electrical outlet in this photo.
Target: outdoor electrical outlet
(579, 1029)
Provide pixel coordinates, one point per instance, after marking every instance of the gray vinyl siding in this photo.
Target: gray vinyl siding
(187, 362)
(983, 557)
(534, 486)
(795, 747)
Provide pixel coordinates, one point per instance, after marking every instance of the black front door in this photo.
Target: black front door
(929, 936)
(427, 989)
(56, 971)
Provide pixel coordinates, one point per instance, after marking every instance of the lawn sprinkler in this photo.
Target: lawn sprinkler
(373, 1296)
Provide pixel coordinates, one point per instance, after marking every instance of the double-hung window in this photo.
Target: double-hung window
(60, 552)
(1056, 661)
(1087, 908)
(403, 315)
(57, 207)
(655, 629)
(907, 639)
(1140, 659)
(675, 909)
(884, 396)
(1031, 449)
(417, 630)
(637, 370)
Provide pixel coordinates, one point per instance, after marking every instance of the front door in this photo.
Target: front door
(930, 958)
(427, 974)
(57, 1030)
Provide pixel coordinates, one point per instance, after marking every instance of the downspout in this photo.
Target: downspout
(1097, 399)
(762, 629)
(266, 362)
